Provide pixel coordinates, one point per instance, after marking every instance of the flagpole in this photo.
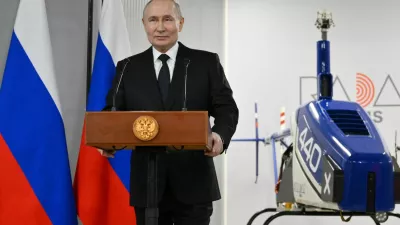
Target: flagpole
(89, 48)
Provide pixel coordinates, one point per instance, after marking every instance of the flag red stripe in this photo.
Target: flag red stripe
(101, 197)
(18, 203)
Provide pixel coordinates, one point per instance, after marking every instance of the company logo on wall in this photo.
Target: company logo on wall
(372, 96)
(365, 90)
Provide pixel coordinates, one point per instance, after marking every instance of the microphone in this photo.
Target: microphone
(114, 108)
(186, 63)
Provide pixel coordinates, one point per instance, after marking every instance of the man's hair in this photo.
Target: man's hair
(177, 9)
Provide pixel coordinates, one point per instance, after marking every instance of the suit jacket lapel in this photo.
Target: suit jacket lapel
(176, 86)
(150, 79)
(178, 79)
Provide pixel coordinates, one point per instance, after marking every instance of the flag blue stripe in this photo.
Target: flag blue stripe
(33, 129)
(121, 165)
(103, 74)
(102, 77)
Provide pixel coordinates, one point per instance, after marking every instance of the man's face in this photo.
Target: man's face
(162, 24)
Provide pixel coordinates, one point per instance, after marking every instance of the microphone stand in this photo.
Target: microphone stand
(152, 211)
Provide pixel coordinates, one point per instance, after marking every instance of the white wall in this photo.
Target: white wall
(272, 43)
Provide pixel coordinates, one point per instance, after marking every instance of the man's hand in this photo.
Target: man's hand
(215, 142)
(107, 153)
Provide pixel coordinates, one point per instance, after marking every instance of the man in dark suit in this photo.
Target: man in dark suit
(154, 81)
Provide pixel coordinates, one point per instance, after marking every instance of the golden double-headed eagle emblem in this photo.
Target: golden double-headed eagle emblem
(145, 128)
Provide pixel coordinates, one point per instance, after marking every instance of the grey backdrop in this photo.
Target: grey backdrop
(68, 31)
(204, 29)
(7, 18)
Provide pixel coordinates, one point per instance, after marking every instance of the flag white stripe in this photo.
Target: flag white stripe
(33, 33)
(112, 23)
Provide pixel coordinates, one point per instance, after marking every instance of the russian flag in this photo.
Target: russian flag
(35, 176)
(102, 184)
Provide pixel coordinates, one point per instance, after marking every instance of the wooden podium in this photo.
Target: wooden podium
(187, 130)
(176, 130)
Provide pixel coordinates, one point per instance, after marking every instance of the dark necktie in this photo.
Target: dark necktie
(164, 77)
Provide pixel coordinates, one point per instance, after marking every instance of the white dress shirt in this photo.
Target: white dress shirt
(172, 52)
